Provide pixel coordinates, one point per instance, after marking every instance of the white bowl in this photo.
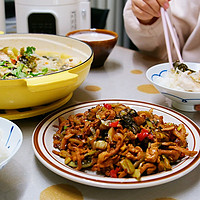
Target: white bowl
(181, 100)
(10, 140)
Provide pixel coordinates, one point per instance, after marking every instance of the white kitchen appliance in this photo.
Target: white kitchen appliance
(2, 16)
(52, 16)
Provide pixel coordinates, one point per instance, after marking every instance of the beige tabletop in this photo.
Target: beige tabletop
(122, 77)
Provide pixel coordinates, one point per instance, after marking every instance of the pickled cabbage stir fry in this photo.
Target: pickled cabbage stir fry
(26, 62)
(117, 141)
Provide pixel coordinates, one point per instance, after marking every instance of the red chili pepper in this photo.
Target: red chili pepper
(19, 56)
(113, 172)
(13, 61)
(150, 136)
(114, 124)
(108, 106)
(143, 134)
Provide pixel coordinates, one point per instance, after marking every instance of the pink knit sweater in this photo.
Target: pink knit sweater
(185, 16)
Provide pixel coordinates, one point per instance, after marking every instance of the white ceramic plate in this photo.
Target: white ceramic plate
(42, 141)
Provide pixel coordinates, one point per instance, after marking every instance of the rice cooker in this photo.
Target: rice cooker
(52, 16)
(2, 17)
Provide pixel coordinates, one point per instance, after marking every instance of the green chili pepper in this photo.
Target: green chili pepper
(136, 174)
(127, 165)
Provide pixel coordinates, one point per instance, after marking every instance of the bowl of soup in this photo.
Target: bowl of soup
(35, 78)
(102, 42)
(181, 86)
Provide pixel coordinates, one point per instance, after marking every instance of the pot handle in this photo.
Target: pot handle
(51, 81)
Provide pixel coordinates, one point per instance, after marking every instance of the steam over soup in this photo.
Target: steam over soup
(27, 62)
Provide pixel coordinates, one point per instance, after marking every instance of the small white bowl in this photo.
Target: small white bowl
(181, 100)
(10, 140)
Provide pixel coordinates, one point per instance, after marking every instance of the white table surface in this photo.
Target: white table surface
(24, 177)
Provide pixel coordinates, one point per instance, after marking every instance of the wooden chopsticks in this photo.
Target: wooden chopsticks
(167, 25)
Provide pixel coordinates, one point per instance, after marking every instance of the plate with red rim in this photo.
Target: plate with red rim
(42, 141)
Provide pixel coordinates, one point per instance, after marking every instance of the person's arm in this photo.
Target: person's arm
(144, 27)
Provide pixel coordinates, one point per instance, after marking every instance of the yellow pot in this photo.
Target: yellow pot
(36, 91)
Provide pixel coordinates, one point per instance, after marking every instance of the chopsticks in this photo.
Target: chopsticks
(167, 23)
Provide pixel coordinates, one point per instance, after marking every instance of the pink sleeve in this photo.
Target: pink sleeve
(148, 38)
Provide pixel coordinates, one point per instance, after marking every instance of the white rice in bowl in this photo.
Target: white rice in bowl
(183, 81)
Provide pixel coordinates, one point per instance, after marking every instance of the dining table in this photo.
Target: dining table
(122, 77)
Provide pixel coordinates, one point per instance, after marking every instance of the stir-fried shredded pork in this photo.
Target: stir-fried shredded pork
(117, 141)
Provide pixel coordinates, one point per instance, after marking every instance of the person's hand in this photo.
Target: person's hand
(148, 11)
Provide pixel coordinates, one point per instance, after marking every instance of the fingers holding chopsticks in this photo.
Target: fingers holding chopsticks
(148, 11)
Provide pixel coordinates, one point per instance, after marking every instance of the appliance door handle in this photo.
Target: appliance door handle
(85, 15)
